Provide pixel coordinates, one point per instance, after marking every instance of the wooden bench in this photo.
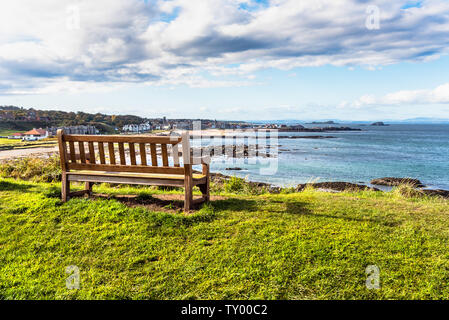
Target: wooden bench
(79, 162)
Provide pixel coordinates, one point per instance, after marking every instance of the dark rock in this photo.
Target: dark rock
(437, 193)
(337, 186)
(234, 169)
(274, 190)
(317, 129)
(379, 124)
(391, 181)
(322, 122)
(306, 137)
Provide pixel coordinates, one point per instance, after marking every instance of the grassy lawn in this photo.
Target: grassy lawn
(19, 144)
(308, 245)
(4, 132)
(4, 141)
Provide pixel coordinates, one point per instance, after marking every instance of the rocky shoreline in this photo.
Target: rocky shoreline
(324, 129)
(340, 186)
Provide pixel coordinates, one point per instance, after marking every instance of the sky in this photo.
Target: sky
(228, 59)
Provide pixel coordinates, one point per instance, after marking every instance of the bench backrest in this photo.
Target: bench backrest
(79, 152)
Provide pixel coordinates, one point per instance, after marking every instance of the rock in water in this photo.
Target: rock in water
(391, 181)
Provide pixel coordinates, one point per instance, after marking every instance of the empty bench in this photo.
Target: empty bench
(103, 159)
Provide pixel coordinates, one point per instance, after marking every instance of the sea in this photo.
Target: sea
(418, 151)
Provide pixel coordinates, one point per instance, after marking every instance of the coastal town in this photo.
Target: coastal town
(41, 124)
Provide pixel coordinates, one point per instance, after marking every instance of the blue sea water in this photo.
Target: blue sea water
(399, 150)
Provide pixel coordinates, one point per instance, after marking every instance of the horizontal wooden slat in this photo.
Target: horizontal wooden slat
(127, 180)
(120, 168)
(123, 139)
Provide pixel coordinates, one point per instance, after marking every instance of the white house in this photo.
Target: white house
(35, 134)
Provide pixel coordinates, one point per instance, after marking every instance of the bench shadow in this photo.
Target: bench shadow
(235, 204)
(167, 203)
(12, 186)
(249, 205)
(298, 208)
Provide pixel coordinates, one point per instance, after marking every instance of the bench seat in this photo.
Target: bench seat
(134, 178)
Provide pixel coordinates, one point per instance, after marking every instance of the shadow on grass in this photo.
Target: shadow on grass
(298, 208)
(160, 202)
(12, 186)
(235, 204)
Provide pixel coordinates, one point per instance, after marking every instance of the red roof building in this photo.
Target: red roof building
(36, 132)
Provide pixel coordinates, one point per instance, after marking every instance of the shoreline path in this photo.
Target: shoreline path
(18, 153)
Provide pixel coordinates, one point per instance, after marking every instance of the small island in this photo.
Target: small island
(322, 122)
(379, 124)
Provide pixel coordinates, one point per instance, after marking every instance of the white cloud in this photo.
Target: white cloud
(204, 43)
(439, 95)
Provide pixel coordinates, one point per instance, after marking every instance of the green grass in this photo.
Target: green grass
(308, 245)
(19, 144)
(6, 141)
(6, 132)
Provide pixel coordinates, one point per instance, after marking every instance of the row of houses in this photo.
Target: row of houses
(181, 125)
(74, 130)
(143, 127)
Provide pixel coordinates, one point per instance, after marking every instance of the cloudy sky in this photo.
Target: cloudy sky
(228, 59)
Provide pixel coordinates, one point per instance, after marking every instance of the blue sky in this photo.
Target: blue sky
(228, 59)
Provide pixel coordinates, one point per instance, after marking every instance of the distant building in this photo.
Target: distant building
(74, 130)
(16, 135)
(35, 134)
(137, 128)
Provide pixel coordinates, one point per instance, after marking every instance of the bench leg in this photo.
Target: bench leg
(65, 189)
(188, 201)
(204, 188)
(88, 188)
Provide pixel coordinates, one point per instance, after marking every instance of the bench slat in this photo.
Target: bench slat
(164, 155)
(132, 153)
(82, 152)
(111, 153)
(125, 168)
(121, 149)
(72, 151)
(124, 139)
(175, 154)
(153, 155)
(143, 154)
(91, 152)
(101, 151)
